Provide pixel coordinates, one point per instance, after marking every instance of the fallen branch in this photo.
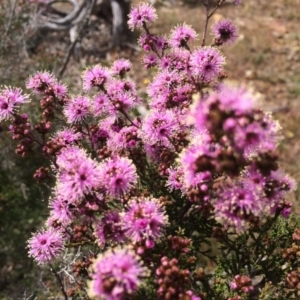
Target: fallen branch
(77, 39)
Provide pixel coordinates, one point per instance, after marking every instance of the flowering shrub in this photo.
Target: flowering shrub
(140, 204)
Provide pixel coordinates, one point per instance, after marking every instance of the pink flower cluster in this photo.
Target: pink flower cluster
(144, 220)
(42, 82)
(125, 168)
(116, 274)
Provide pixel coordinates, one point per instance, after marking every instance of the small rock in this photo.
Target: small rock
(249, 74)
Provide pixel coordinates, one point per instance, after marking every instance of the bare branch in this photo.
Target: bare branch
(77, 39)
(75, 17)
(62, 288)
(118, 21)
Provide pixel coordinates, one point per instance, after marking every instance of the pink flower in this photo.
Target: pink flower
(144, 220)
(159, 126)
(166, 62)
(275, 187)
(45, 245)
(124, 101)
(77, 109)
(175, 179)
(99, 136)
(242, 283)
(286, 212)
(236, 205)
(180, 60)
(101, 105)
(118, 175)
(227, 104)
(253, 137)
(126, 138)
(144, 13)
(78, 174)
(121, 66)
(78, 180)
(60, 90)
(60, 211)
(233, 285)
(116, 86)
(163, 81)
(40, 82)
(181, 35)
(160, 43)
(67, 136)
(225, 32)
(198, 161)
(207, 63)
(150, 60)
(10, 99)
(95, 76)
(69, 156)
(237, 99)
(116, 275)
(152, 42)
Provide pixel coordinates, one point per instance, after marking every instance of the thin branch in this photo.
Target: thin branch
(128, 118)
(132, 46)
(89, 136)
(208, 16)
(206, 4)
(59, 281)
(216, 7)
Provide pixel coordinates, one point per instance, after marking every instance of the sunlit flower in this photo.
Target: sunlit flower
(77, 109)
(45, 245)
(95, 76)
(10, 99)
(116, 275)
(144, 219)
(143, 13)
(40, 82)
(117, 175)
(207, 63)
(181, 35)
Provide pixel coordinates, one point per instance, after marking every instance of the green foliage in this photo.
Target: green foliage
(23, 204)
(258, 256)
(21, 212)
